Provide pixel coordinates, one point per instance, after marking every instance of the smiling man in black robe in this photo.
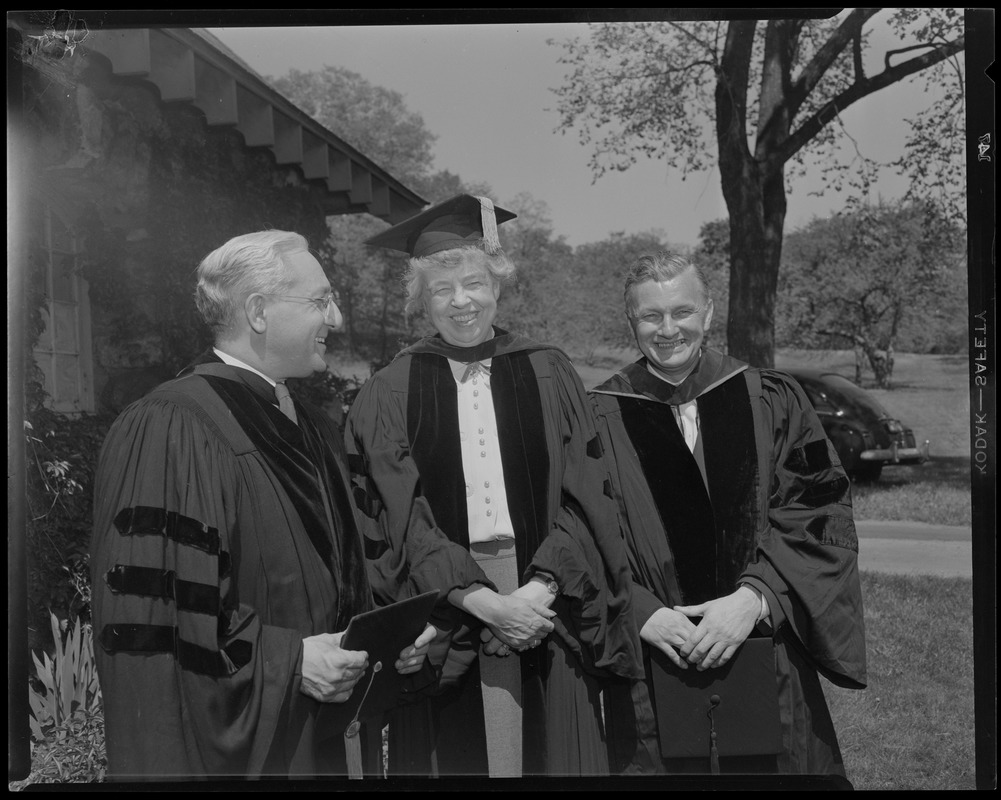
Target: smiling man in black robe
(226, 561)
(738, 520)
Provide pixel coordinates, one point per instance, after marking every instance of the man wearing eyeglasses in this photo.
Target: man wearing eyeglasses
(226, 559)
(738, 521)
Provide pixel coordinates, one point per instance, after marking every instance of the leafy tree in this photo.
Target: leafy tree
(772, 91)
(573, 297)
(529, 241)
(371, 118)
(860, 278)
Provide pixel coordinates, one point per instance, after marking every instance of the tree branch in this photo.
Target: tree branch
(848, 31)
(860, 89)
(731, 90)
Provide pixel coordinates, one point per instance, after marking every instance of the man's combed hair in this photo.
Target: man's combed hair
(660, 266)
(415, 279)
(253, 262)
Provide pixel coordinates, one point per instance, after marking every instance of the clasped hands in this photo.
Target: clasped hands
(726, 623)
(329, 673)
(520, 621)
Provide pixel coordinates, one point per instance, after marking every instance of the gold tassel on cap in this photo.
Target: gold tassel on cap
(352, 742)
(491, 240)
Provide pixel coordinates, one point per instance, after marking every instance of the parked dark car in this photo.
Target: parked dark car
(865, 435)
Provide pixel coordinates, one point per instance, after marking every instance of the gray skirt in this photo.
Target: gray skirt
(500, 676)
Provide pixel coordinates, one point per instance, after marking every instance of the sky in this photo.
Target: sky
(485, 91)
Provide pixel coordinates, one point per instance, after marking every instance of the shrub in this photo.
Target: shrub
(67, 721)
(329, 391)
(61, 454)
(75, 754)
(66, 684)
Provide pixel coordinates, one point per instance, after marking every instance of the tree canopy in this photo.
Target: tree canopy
(770, 93)
(873, 280)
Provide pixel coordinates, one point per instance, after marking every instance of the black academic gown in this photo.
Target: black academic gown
(223, 536)
(772, 509)
(402, 436)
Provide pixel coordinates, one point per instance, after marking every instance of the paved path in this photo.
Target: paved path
(915, 548)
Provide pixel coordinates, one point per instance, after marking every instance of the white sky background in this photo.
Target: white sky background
(485, 92)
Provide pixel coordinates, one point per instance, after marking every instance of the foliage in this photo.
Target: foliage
(772, 92)
(572, 298)
(329, 391)
(373, 119)
(62, 456)
(67, 682)
(863, 278)
(75, 753)
(817, 289)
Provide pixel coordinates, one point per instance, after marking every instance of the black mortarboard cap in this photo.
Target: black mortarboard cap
(457, 222)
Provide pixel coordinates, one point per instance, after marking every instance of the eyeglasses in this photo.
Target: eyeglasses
(321, 304)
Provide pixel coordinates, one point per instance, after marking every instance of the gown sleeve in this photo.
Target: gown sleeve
(199, 680)
(584, 549)
(807, 554)
(651, 562)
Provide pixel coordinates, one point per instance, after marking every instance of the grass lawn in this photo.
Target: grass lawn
(913, 727)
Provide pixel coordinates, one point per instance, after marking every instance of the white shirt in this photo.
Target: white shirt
(486, 500)
(235, 362)
(687, 414)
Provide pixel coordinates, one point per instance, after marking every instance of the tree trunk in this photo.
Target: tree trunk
(877, 360)
(755, 254)
(859, 363)
(754, 189)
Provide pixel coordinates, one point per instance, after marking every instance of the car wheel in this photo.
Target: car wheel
(868, 473)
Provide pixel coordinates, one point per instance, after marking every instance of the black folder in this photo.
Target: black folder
(738, 701)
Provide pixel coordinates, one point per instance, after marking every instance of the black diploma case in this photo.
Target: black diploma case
(383, 633)
(725, 711)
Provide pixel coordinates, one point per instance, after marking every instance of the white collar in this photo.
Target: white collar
(657, 374)
(235, 362)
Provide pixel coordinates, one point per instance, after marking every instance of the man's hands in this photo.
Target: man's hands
(329, 674)
(412, 657)
(668, 629)
(726, 623)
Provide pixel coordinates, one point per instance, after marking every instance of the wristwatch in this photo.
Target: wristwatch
(549, 581)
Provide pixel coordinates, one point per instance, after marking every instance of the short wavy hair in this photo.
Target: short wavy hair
(415, 279)
(663, 265)
(253, 262)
